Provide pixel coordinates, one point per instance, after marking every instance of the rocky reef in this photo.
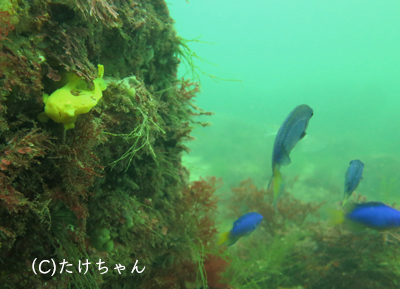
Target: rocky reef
(101, 182)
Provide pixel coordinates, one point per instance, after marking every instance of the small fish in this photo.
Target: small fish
(353, 178)
(373, 215)
(290, 133)
(243, 226)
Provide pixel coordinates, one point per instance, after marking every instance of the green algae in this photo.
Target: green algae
(113, 188)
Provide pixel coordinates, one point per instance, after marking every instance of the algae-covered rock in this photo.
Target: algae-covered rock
(101, 239)
(114, 183)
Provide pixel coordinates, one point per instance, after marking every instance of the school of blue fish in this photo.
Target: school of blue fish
(356, 216)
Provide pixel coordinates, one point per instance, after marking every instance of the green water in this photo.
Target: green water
(339, 57)
(342, 59)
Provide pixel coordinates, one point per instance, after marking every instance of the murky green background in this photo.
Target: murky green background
(340, 57)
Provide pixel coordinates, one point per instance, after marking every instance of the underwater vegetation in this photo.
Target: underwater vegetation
(295, 248)
(93, 123)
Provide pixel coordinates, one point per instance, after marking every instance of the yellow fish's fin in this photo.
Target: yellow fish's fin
(336, 217)
(100, 69)
(222, 238)
(43, 117)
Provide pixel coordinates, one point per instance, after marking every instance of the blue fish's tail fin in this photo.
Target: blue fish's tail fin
(347, 206)
(336, 217)
(276, 185)
(345, 199)
(227, 239)
(222, 238)
(346, 195)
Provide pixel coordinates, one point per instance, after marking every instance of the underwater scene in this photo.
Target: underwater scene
(199, 144)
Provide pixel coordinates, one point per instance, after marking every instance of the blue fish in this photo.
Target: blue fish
(290, 133)
(373, 215)
(243, 226)
(353, 178)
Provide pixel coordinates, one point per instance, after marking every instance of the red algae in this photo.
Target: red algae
(114, 187)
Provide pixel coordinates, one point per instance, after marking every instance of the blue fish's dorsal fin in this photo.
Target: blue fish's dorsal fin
(245, 216)
(349, 207)
(239, 220)
(370, 204)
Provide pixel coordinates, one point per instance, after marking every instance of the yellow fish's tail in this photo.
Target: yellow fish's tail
(222, 238)
(336, 217)
(276, 184)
